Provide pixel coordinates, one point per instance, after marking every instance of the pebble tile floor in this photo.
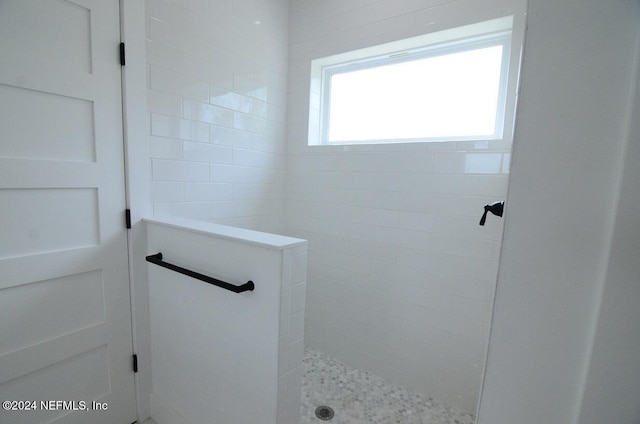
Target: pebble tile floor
(359, 397)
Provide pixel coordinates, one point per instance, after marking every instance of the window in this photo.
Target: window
(449, 85)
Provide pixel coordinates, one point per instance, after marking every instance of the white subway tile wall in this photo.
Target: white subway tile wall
(401, 276)
(217, 75)
(271, 320)
(291, 348)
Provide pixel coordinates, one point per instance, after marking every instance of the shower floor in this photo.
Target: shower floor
(359, 397)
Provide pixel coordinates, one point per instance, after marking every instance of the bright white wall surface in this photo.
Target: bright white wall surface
(613, 384)
(570, 134)
(215, 354)
(401, 274)
(217, 74)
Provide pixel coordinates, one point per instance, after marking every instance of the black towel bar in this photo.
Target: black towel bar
(157, 259)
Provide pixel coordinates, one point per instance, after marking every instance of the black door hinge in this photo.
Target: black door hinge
(121, 54)
(127, 218)
(135, 363)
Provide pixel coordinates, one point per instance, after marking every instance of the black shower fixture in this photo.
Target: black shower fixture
(495, 208)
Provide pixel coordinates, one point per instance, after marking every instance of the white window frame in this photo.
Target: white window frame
(471, 37)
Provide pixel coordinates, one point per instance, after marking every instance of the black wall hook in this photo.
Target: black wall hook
(495, 208)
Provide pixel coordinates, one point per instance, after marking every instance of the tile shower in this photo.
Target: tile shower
(400, 275)
(405, 294)
(359, 397)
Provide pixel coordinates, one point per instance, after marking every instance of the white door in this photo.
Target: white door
(65, 319)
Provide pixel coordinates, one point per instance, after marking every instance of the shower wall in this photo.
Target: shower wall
(217, 75)
(401, 276)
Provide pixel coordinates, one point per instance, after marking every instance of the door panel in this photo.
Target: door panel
(65, 319)
(55, 31)
(71, 138)
(39, 220)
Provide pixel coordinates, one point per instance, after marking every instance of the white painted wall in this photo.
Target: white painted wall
(570, 134)
(217, 73)
(401, 274)
(215, 354)
(613, 384)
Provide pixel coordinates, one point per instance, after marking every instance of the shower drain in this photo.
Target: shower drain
(325, 413)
